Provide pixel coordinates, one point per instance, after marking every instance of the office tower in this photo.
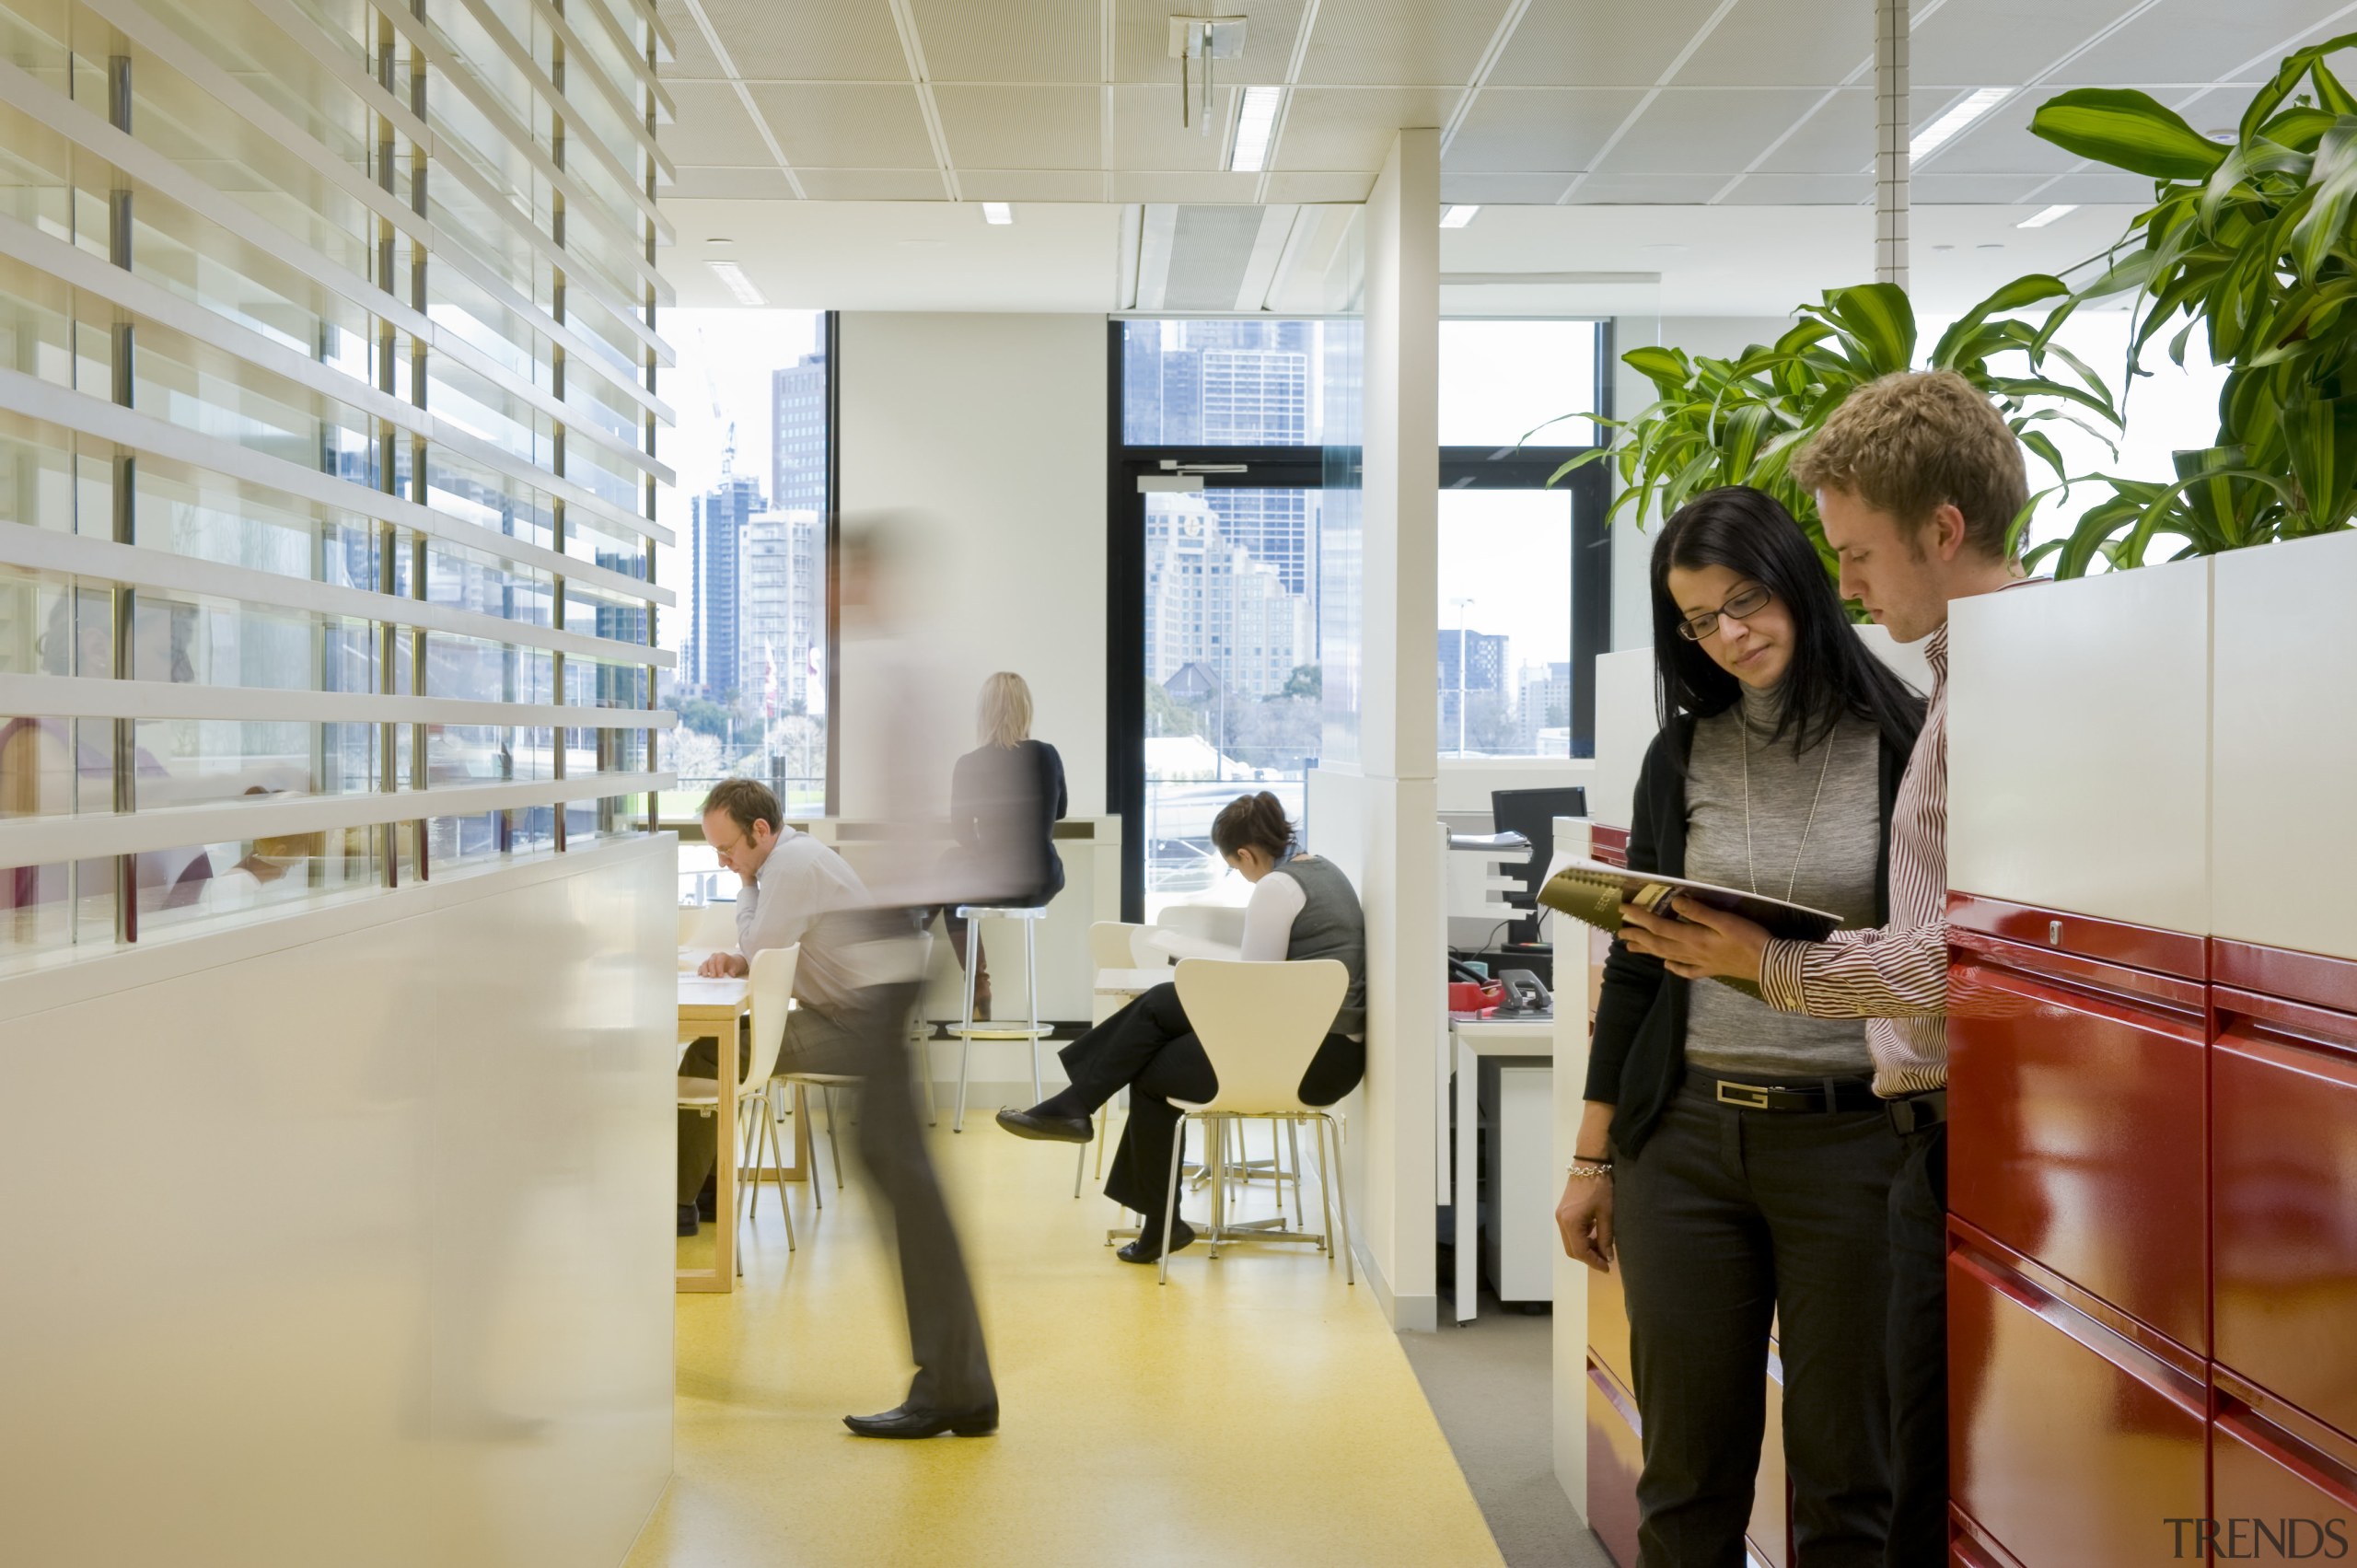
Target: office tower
(718, 517)
(782, 591)
(1546, 707)
(798, 435)
(1211, 603)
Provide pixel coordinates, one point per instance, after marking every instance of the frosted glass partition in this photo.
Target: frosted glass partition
(328, 421)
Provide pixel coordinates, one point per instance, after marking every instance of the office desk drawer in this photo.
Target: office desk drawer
(2282, 1488)
(2070, 1443)
(2076, 1089)
(2283, 1080)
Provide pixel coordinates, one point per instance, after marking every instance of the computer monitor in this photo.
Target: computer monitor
(1532, 813)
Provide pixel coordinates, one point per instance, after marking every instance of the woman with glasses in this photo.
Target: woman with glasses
(1733, 1158)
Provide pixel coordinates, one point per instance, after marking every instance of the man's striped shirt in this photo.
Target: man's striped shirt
(1894, 977)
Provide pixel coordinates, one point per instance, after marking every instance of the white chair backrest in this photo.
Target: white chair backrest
(1260, 1024)
(1223, 924)
(1110, 946)
(1144, 952)
(772, 988)
(691, 920)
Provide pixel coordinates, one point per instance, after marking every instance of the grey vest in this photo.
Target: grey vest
(1330, 926)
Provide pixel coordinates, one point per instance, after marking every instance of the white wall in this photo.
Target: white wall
(992, 429)
(347, 1238)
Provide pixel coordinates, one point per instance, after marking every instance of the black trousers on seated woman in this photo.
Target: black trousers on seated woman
(1149, 1047)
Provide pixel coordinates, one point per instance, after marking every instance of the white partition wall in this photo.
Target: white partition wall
(334, 971)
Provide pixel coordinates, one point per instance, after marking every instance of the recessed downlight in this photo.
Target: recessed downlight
(740, 285)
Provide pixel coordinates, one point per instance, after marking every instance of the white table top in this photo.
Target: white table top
(1505, 1037)
(1130, 982)
(697, 991)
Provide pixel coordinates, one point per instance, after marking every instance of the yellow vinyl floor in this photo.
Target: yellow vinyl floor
(1256, 1410)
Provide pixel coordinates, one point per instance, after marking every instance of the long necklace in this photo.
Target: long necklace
(1743, 736)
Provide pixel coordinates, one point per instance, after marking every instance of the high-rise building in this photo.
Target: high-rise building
(1213, 604)
(718, 518)
(798, 435)
(782, 588)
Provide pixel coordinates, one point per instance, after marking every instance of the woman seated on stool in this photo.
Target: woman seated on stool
(1302, 907)
(1005, 798)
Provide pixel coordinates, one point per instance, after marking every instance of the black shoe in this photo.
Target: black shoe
(708, 1198)
(1148, 1247)
(1049, 1129)
(687, 1219)
(907, 1421)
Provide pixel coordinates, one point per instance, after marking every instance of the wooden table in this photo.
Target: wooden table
(712, 1007)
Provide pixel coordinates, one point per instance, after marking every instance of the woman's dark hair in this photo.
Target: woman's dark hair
(1832, 673)
(1256, 820)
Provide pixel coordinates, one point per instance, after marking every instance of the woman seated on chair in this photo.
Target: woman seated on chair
(1005, 798)
(1302, 907)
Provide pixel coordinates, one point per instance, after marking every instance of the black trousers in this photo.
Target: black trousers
(1917, 1341)
(1726, 1219)
(1149, 1048)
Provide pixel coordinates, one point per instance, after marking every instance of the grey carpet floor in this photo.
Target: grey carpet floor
(1489, 1382)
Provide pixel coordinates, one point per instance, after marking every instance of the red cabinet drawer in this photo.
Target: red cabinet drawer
(2283, 1157)
(1616, 1456)
(2079, 1128)
(2070, 1445)
(2276, 1496)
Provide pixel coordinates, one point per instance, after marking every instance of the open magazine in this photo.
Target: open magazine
(1592, 892)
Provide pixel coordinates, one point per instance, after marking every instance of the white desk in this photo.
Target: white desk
(1130, 982)
(1529, 1038)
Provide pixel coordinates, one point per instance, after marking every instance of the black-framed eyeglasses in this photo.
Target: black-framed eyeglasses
(1742, 605)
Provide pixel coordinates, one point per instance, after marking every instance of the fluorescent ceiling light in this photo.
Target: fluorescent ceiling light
(1977, 102)
(1001, 213)
(2039, 220)
(1458, 217)
(1256, 122)
(738, 284)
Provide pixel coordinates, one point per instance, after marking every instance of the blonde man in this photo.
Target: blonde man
(1919, 481)
(1006, 798)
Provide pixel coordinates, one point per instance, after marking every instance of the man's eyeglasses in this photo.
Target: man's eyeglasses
(1742, 606)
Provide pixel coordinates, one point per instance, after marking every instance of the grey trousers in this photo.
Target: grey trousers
(1727, 1218)
(870, 1041)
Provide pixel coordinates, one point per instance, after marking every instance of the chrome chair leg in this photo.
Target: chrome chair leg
(966, 1029)
(802, 1119)
(1031, 989)
(834, 1139)
(1170, 1205)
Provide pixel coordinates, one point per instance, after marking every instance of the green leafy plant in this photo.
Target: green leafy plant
(1716, 422)
(2251, 244)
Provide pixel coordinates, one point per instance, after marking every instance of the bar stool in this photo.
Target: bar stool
(967, 1033)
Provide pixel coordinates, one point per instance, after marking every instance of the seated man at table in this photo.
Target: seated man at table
(789, 879)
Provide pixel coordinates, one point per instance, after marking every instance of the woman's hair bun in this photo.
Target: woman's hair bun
(1258, 822)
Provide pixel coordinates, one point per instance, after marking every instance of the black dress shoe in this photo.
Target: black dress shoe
(1049, 1129)
(1148, 1247)
(708, 1199)
(906, 1420)
(687, 1219)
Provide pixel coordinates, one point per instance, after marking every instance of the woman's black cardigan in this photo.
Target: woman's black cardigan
(1639, 1054)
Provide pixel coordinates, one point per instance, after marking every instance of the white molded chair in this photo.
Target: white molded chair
(1261, 1025)
(800, 1084)
(970, 1032)
(772, 993)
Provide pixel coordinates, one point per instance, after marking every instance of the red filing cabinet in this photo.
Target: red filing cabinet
(2284, 1085)
(2282, 1486)
(2074, 1433)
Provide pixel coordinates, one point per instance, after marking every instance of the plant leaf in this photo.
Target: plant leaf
(2128, 130)
(1878, 322)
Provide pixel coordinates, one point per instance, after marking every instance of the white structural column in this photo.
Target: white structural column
(1396, 803)
(1890, 142)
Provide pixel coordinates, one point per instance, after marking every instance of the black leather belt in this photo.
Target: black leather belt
(1827, 1096)
(1913, 1113)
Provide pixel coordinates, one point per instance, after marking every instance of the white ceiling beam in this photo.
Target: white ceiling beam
(1268, 248)
(1481, 69)
(1284, 98)
(744, 96)
(912, 50)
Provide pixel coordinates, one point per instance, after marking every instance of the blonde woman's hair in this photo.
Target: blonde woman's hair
(1004, 717)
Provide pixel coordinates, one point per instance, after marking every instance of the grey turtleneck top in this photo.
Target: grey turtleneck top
(1727, 1033)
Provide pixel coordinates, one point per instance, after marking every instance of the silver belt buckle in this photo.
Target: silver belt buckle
(1751, 1097)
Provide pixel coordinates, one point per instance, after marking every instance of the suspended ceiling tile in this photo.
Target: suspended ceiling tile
(1835, 136)
(2099, 185)
(1006, 40)
(1146, 133)
(1987, 44)
(692, 56)
(1354, 127)
(1934, 187)
(1591, 45)
(2201, 40)
(1395, 42)
(1029, 185)
(1782, 44)
(875, 185)
(1802, 191)
(766, 181)
(1647, 189)
(711, 127)
(847, 125)
(1142, 41)
(1207, 189)
(1708, 130)
(1532, 190)
(1320, 185)
(1023, 127)
(2000, 144)
(804, 42)
(1537, 129)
